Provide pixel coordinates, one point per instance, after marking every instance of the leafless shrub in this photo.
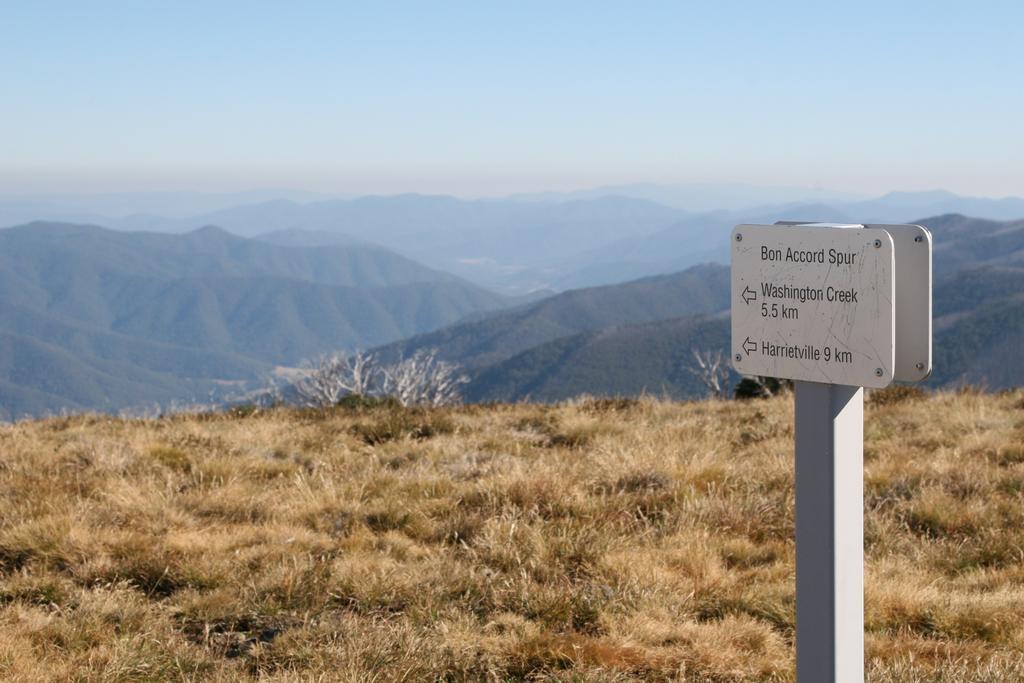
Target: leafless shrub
(423, 379)
(334, 376)
(709, 367)
(156, 410)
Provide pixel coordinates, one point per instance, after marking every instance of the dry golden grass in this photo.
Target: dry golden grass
(598, 540)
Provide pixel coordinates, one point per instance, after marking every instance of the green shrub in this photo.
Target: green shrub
(361, 402)
(896, 394)
(761, 387)
(171, 458)
(401, 423)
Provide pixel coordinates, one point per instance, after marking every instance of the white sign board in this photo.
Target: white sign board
(913, 282)
(814, 303)
(912, 279)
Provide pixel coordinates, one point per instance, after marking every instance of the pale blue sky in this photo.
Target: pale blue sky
(481, 97)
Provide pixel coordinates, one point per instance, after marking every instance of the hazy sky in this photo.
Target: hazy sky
(484, 97)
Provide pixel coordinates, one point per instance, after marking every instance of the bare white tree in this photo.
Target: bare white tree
(423, 379)
(332, 377)
(420, 379)
(711, 370)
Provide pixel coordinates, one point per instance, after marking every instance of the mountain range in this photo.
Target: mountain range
(477, 343)
(511, 246)
(519, 244)
(93, 318)
(698, 238)
(572, 241)
(136, 209)
(639, 336)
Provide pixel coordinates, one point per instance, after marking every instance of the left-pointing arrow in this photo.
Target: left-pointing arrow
(749, 295)
(749, 346)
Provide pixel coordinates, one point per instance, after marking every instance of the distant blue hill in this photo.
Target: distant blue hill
(93, 318)
(637, 336)
(525, 243)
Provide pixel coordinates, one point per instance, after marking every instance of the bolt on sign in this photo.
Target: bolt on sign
(818, 302)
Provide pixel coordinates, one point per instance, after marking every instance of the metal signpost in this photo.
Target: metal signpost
(836, 308)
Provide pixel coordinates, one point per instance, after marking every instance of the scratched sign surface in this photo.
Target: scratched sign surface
(813, 303)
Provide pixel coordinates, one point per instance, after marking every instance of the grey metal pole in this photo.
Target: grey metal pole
(829, 533)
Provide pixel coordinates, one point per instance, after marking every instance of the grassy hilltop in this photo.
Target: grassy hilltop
(597, 540)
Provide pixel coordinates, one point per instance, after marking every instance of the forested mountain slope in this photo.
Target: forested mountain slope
(98, 319)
